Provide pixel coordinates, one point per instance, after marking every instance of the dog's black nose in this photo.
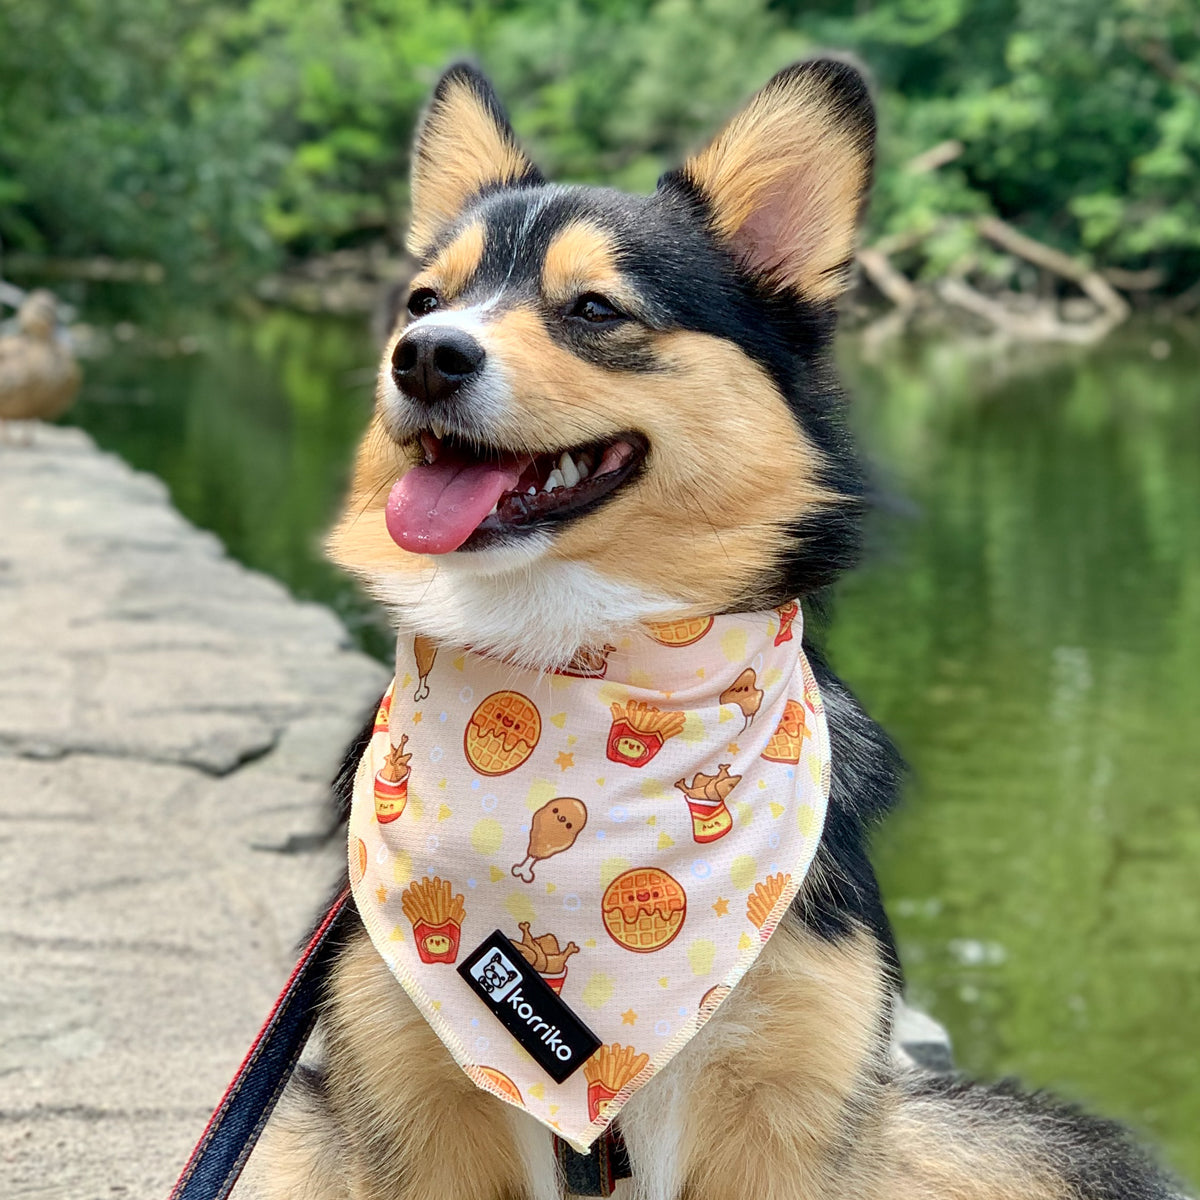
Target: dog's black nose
(430, 364)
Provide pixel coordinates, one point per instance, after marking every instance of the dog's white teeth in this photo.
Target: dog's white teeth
(583, 467)
(492, 510)
(531, 492)
(570, 474)
(554, 480)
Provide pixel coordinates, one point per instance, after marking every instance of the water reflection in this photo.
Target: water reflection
(254, 435)
(1031, 638)
(1027, 629)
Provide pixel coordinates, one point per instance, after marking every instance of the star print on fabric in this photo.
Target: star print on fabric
(769, 827)
(416, 717)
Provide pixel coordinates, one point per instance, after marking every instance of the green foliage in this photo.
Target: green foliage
(220, 136)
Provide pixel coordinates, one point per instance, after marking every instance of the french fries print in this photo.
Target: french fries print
(639, 731)
(763, 899)
(607, 1072)
(437, 914)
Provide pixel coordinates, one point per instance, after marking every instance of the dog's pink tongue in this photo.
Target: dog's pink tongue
(436, 506)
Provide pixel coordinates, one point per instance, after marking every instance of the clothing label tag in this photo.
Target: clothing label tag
(528, 1008)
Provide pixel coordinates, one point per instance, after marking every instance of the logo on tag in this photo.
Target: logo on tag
(497, 974)
(559, 1042)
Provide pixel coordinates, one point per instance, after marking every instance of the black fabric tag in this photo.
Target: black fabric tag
(526, 1005)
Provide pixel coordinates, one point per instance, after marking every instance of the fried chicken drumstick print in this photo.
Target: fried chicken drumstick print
(554, 828)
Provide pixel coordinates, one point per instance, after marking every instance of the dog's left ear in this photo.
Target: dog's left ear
(464, 145)
(784, 183)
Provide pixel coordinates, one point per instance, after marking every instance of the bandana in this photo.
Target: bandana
(569, 872)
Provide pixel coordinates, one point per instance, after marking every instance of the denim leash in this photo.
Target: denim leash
(232, 1131)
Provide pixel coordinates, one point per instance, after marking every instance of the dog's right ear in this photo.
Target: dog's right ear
(464, 145)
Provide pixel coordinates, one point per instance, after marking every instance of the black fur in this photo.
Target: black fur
(842, 893)
(1096, 1159)
(479, 84)
(684, 278)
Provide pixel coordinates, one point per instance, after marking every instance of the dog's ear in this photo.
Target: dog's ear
(784, 183)
(464, 144)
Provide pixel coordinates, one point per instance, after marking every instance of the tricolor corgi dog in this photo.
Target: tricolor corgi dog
(604, 411)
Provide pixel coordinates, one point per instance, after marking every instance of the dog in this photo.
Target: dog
(676, 348)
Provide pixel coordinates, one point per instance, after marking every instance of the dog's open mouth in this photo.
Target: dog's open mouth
(464, 497)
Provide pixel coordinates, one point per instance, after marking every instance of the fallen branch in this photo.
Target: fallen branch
(100, 268)
(1057, 263)
(1040, 325)
(936, 156)
(894, 285)
(1148, 279)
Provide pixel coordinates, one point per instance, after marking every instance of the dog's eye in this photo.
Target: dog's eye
(595, 309)
(422, 302)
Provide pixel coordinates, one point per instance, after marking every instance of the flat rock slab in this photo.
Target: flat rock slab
(168, 719)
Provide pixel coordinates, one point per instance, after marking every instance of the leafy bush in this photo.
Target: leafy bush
(221, 137)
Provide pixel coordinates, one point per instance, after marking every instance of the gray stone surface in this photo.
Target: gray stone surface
(166, 716)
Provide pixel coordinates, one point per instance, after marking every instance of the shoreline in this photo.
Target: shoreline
(169, 720)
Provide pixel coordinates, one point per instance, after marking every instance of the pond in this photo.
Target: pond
(1027, 627)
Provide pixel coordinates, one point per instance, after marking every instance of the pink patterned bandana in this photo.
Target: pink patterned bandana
(569, 872)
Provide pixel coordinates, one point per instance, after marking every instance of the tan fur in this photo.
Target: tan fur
(460, 150)
(786, 1101)
(786, 1094)
(728, 465)
(786, 179)
(580, 259)
(303, 1154)
(453, 267)
(417, 1126)
(789, 1092)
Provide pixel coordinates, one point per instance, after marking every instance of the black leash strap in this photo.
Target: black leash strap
(234, 1127)
(232, 1131)
(596, 1172)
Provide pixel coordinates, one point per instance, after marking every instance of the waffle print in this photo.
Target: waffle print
(502, 733)
(634, 826)
(644, 909)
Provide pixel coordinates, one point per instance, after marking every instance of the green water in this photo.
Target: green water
(1028, 628)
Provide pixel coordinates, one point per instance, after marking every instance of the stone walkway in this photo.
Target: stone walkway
(168, 719)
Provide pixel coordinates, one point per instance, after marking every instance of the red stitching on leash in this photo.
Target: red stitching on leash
(243, 1071)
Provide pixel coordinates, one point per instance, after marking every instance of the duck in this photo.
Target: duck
(39, 376)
